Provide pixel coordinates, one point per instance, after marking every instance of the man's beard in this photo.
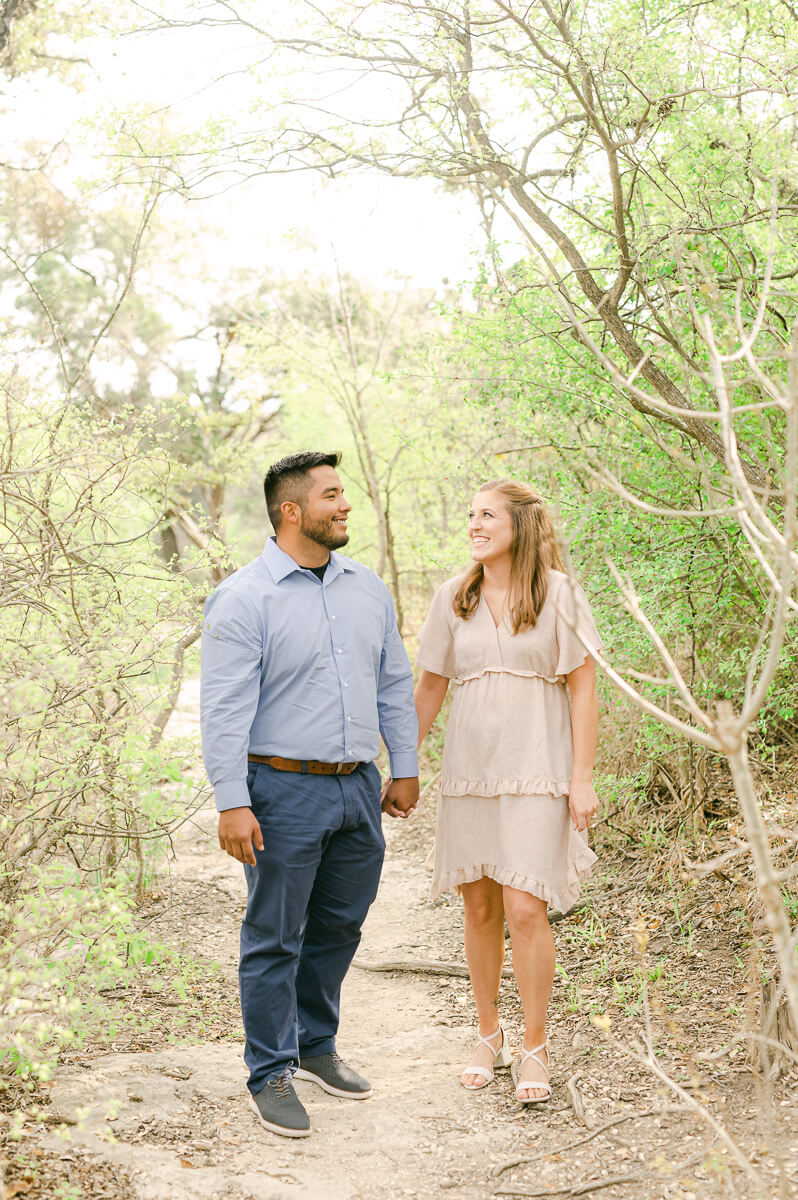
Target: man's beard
(324, 533)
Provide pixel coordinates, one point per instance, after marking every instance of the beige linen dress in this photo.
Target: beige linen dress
(508, 754)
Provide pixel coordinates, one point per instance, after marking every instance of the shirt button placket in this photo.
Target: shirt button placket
(338, 650)
(347, 718)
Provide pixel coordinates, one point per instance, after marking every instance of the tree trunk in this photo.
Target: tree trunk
(767, 880)
(776, 1023)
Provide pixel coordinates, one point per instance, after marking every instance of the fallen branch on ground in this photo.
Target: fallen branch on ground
(595, 1185)
(632, 1116)
(422, 966)
(578, 1189)
(587, 903)
(577, 1104)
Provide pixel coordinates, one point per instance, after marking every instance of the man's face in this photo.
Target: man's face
(324, 511)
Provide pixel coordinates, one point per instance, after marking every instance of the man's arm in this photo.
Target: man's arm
(230, 687)
(398, 723)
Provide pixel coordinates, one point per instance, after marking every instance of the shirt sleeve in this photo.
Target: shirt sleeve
(575, 628)
(395, 707)
(232, 649)
(436, 640)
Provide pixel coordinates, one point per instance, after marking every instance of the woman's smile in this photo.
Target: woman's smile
(490, 510)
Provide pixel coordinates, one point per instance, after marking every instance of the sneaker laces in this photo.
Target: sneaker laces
(282, 1085)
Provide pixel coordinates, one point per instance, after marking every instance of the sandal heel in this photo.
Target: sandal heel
(504, 1057)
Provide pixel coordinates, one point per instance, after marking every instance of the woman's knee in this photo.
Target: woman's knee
(483, 905)
(526, 914)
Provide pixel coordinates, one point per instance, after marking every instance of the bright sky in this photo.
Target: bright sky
(375, 226)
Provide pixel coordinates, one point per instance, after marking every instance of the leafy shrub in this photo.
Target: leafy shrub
(89, 622)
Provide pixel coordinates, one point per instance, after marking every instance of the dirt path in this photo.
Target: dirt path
(418, 1131)
(173, 1120)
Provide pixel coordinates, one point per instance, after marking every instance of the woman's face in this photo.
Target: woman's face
(490, 527)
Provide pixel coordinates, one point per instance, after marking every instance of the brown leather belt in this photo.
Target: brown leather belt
(303, 766)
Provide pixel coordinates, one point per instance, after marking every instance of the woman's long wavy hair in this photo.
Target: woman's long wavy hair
(534, 553)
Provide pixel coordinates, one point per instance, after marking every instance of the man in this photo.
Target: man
(302, 668)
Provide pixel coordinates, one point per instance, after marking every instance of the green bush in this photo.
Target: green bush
(89, 621)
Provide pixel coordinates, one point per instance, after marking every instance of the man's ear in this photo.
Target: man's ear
(291, 512)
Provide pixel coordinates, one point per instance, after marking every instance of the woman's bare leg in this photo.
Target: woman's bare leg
(484, 947)
(533, 967)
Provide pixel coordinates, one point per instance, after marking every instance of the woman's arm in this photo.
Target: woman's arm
(429, 694)
(582, 799)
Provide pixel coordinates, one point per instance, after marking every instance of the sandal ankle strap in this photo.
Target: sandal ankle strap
(526, 1054)
(487, 1041)
(533, 1085)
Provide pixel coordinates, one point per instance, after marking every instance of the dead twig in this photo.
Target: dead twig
(577, 1189)
(189, 637)
(577, 1103)
(422, 966)
(555, 918)
(595, 1185)
(640, 1115)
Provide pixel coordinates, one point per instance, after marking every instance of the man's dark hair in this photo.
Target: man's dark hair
(288, 479)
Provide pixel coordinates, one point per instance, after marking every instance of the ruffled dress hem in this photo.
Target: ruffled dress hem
(516, 672)
(580, 864)
(504, 787)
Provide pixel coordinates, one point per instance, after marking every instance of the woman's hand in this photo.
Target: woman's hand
(583, 803)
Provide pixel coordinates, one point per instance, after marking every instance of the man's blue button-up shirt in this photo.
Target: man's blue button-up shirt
(302, 668)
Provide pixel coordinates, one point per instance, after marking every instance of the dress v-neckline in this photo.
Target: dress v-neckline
(493, 622)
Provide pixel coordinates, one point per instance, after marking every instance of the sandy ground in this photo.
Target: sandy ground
(419, 1135)
(174, 1123)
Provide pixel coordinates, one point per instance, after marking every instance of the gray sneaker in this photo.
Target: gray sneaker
(279, 1109)
(331, 1073)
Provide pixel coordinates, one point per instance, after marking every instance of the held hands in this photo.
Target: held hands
(583, 803)
(399, 796)
(238, 829)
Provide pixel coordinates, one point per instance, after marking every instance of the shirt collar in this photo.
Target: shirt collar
(280, 564)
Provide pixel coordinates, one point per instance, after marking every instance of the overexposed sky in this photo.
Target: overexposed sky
(376, 227)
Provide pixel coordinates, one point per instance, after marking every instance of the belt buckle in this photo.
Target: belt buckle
(339, 768)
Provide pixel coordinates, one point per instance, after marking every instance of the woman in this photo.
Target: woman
(516, 783)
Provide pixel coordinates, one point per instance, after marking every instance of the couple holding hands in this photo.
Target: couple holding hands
(303, 669)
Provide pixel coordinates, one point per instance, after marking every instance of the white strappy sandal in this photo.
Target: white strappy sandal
(525, 1085)
(501, 1058)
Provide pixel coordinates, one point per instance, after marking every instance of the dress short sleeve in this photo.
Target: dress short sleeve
(575, 625)
(436, 640)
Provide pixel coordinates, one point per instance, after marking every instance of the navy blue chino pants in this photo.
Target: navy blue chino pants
(308, 895)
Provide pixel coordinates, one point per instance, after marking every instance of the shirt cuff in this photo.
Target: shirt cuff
(231, 793)
(404, 764)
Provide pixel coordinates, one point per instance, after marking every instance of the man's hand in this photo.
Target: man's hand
(400, 797)
(238, 829)
(583, 802)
